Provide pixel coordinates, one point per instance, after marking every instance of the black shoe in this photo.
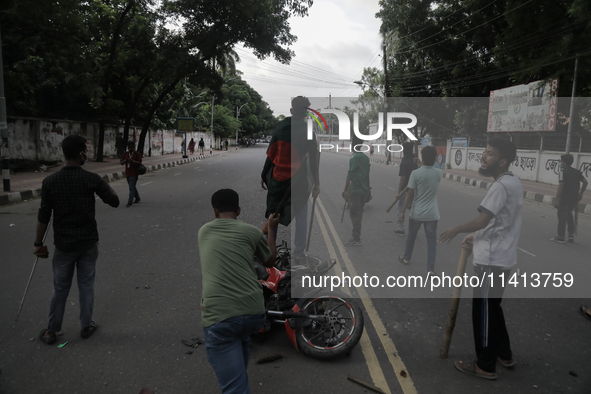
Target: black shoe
(129, 204)
(137, 200)
(353, 242)
(558, 240)
(571, 238)
(399, 232)
(88, 331)
(48, 339)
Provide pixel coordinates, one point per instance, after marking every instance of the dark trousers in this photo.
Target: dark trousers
(565, 218)
(356, 204)
(491, 339)
(132, 181)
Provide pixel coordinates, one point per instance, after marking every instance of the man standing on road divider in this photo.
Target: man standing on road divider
(357, 190)
(568, 195)
(422, 193)
(69, 194)
(232, 303)
(495, 235)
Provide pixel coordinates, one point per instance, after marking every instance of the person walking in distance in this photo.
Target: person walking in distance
(357, 189)
(407, 166)
(192, 146)
(494, 236)
(568, 195)
(131, 159)
(69, 196)
(422, 192)
(232, 303)
(201, 146)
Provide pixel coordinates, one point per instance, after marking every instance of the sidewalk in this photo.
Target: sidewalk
(535, 191)
(27, 185)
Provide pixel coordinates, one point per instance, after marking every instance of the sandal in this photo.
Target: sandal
(583, 311)
(472, 371)
(507, 364)
(48, 339)
(88, 331)
(401, 260)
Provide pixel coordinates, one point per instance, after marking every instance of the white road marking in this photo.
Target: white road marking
(178, 173)
(147, 183)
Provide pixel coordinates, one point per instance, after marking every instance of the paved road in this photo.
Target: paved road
(148, 289)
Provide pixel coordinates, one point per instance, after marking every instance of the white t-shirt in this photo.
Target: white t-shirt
(496, 244)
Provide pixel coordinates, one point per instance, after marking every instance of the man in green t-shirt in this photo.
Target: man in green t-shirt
(232, 303)
(357, 189)
(422, 193)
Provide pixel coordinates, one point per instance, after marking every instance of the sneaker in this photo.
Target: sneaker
(399, 232)
(48, 339)
(571, 238)
(353, 242)
(558, 240)
(129, 204)
(137, 200)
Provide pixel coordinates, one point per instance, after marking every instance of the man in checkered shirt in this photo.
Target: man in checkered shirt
(69, 195)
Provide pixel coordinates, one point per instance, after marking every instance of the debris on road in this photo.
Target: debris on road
(194, 342)
(366, 385)
(270, 359)
(61, 345)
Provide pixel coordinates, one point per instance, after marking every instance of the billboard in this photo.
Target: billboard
(530, 107)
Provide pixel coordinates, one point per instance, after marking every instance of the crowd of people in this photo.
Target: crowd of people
(232, 301)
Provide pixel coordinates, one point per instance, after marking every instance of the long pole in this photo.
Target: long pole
(4, 128)
(455, 303)
(32, 271)
(572, 104)
(388, 153)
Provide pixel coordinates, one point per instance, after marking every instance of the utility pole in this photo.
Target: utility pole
(4, 128)
(572, 105)
(386, 88)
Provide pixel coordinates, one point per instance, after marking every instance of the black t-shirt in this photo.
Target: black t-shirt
(572, 179)
(407, 165)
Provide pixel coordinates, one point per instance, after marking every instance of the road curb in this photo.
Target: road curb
(17, 197)
(532, 196)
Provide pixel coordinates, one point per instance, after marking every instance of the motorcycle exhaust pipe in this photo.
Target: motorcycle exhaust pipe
(297, 315)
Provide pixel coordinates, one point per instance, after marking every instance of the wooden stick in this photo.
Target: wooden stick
(343, 215)
(397, 199)
(455, 302)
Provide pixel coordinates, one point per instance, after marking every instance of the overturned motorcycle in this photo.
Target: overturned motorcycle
(319, 324)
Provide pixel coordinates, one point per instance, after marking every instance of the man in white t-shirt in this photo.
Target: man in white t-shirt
(495, 234)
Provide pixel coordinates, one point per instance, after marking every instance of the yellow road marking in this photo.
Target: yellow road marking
(406, 383)
(375, 370)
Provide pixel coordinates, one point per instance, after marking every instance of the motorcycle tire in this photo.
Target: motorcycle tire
(336, 338)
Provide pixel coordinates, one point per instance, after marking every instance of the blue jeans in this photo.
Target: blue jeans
(228, 349)
(63, 272)
(131, 181)
(430, 233)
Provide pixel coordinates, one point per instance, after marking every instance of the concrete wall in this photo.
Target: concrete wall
(40, 139)
(539, 166)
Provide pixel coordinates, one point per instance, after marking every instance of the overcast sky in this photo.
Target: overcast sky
(335, 42)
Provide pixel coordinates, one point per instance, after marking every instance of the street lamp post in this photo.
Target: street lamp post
(237, 116)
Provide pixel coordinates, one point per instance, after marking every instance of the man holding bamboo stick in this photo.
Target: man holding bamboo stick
(495, 235)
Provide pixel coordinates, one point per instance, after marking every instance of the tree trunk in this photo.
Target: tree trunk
(151, 112)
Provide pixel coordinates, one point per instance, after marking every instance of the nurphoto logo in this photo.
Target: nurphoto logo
(345, 129)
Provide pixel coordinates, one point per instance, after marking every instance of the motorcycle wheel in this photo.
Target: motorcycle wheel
(339, 335)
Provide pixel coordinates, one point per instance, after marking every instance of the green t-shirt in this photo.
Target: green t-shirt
(229, 282)
(358, 173)
(425, 181)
